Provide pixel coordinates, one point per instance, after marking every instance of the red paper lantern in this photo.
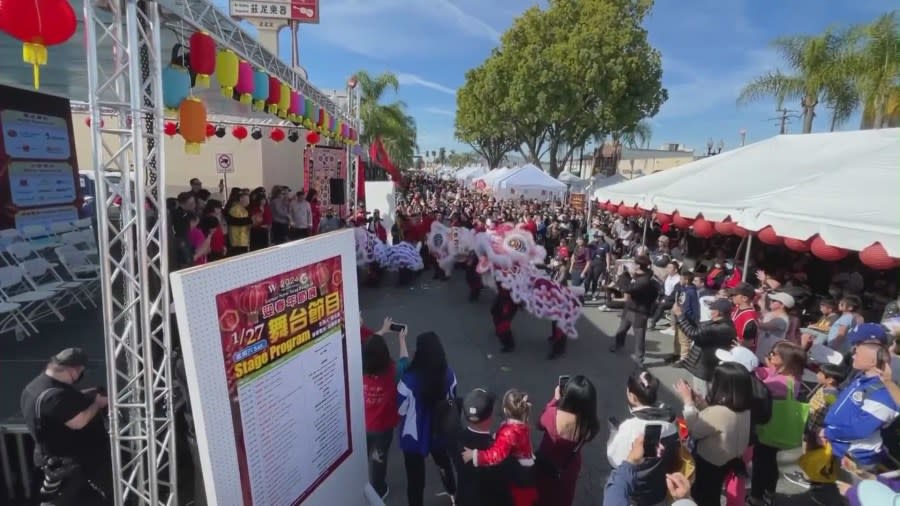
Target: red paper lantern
(825, 251)
(203, 57)
(725, 227)
(37, 24)
(768, 236)
(680, 221)
(312, 137)
(703, 229)
(87, 121)
(663, 218)
(612, 207)
(170, 128)
(239, 133)
(796, 245)
(274, 95)
(876, 257)
(277, 134)
(210, 129)
(739, 231)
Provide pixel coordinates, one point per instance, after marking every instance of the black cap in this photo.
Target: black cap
(70, 357)
(478, 405)
(721, 305)
(745, 289)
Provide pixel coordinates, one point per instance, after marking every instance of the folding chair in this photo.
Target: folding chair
(11, 318)
(83, 224)
(34, 304)
(39, 237)
(58, 228)
(20, 251)
(78, 265)
(7, 237)
(81, 240)
(42, 278)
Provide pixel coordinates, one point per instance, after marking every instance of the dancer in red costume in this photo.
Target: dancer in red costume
(503, 311)
(473, 279)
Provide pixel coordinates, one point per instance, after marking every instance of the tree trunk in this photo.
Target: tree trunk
(878, 110)
(809, 112)
(834, 118)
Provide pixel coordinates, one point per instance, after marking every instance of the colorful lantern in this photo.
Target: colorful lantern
(210, 130)
(227, 64)
(320, 118)
(37, 24)
(192, 116)
(302, 111)
(679, 221)
(768, 236)
(244, 86)
(239, 133)
(826, 252)
(277, 134)
(307, 109)
(663, 218)
(284, 101)
(876, 257)
(274, 95)
(296, 104)
(796, 245)
(176, 83)
(203, 57)
(725, 227)
(312, 138)
(703, 229)
(170, 128)
(260, 89)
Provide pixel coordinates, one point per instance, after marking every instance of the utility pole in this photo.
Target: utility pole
(784, 118)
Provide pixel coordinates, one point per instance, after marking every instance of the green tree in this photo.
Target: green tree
(389, 122)
(876, 68)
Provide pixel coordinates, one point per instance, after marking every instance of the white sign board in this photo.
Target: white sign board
(302, 11)
(224, 163)
(272, 355)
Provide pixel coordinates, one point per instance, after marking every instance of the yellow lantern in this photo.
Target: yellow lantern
(192, 117)
(227, 71)
(284, 101)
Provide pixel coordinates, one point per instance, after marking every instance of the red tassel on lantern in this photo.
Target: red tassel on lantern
(239, 133)
(274, 95)
(703, 229)
(37, 24)
(876, 257)
(826, 252)
(796, 245)
(680, 221)
(170, 128)
(768, 236)
(312, 138)
(725, 227)
(203, 57)
(276, 134)
(663, 218)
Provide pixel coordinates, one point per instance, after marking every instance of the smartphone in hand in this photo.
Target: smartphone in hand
(398, 327)
(652, 435)
(563, 381)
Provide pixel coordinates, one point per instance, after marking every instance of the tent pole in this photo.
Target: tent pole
(747, 256)
(644, 236)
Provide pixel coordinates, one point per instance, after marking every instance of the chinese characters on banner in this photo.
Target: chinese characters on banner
(285, 360)
(576, 200)
(301, 11)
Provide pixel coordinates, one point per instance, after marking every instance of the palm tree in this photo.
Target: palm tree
(876, 68)
(817, 68)
(389, 122)
(638, 136)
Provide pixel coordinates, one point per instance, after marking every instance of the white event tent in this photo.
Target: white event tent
(528, 181)
(843, 187)
(573, 182)
(467, 174)
(486, 181)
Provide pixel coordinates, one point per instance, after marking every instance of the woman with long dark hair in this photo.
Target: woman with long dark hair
(422, 390)
(569, 421)
(261, 214)
(313, 198)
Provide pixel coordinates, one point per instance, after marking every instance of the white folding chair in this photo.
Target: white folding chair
(11, 318)
(77, 264)
(80, 239)
(34, 304)
(20, 251)
(58, 228)
(42, 278)
(7, 237)
(39, 237)
(83, 224)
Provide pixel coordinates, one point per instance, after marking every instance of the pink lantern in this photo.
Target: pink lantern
(876, 257)
(768, 236)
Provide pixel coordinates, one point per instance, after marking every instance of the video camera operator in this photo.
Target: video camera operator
(71, 441)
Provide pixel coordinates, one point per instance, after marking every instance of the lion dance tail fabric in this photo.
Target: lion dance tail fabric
(370, 249)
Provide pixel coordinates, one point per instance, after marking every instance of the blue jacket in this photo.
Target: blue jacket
(854, 422)
(690, 302)
(415, 420)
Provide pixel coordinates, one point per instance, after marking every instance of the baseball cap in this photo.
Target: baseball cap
(868, 333)
(478, 405)
(70, 357)
(784, 298)
(721, 305)
(739, 355)
(745, 289)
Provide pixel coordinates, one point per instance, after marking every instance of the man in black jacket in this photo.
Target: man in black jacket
(639, 297)
(707, 338)
(479, 486)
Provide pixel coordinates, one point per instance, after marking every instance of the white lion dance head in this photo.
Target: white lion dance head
(510, 254)
(369, 249)
(449, 244)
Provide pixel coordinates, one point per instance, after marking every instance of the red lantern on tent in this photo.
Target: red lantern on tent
(277, 134)
(210, 129)
(739, 231)
(680, 221)
(37, 24)
(725, 227)
(768, 236)
(796, 245)
(703, 229)
(876, 257)
(170, 128)
(239, 132)
(312, 137)
(203, 57)
(825, 251)
(663, 218)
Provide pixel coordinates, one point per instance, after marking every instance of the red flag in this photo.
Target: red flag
(360, 181)
(379, 156)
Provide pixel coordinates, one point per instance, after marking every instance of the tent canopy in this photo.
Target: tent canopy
(469, 173)
(528, 181)
(487, 180)
(840, 186)
(573, 182)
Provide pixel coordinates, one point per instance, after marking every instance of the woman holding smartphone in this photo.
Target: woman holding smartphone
(568, 422)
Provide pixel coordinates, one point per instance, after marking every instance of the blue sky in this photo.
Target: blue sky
(710, 49)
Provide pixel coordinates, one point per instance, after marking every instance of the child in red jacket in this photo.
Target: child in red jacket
(512, 439)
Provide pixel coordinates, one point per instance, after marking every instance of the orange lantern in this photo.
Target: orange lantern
(203, 57)
(37, 24)
(192, 116)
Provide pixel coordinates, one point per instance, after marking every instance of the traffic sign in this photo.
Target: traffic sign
(224, 163)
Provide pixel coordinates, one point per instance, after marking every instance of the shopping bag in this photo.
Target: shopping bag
(819, 465)
(785, 429)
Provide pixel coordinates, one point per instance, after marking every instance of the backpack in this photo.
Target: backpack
(445, 421)
(761, 409)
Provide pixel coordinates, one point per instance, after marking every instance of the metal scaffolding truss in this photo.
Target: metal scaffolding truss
(186, 16)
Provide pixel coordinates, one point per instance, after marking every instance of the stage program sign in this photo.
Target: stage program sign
(284, 370)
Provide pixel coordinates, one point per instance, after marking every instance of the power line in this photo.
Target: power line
(784, 119)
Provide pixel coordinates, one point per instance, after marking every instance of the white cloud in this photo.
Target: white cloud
(414, 80)
(440, 112)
